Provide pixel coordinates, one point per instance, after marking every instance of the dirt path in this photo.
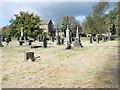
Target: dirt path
(95, 65)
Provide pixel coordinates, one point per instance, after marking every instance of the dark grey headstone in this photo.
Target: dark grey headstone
(58, 40)
(44, 41)
(30, 55)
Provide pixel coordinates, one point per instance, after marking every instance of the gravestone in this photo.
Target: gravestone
(77, 40)
(21, 42)
(29, 55)
(68, 46)
(97, 38)
(104, 37)
(52, 38)
(22, 36)
(91, 38)
(1, 42)
(40, 38)
(3, 38)
(30, 42)
(58, 40)
(9, 38)
(44, 41)
(62, 41)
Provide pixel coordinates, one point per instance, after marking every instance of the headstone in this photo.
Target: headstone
(104, 37)
(1, 42)
(62, 41)
(77, 40)
(91, 38)
(44, 41)
(52, 38)
(70, 37)
(68, 46)
(22, 36)
(21, 42)
(30, 42)
(9, 38)
(3, 38)
(58, 40)
(97, 38)
(29, 55)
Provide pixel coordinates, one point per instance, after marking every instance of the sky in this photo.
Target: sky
(46, 10)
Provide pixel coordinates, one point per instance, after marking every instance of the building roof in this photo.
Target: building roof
(45, 22)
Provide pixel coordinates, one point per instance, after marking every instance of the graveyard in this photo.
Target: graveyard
(60, 49)
(94, 65)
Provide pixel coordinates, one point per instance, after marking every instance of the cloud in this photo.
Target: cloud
(47, 10)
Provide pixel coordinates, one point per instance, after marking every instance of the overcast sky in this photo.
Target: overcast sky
(47, 10)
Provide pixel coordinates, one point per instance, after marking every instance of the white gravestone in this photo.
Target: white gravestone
(67, 36)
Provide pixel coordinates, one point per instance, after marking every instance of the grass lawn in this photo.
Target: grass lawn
(94, 65)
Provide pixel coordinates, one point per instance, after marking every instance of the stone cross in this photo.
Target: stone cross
(67, 36)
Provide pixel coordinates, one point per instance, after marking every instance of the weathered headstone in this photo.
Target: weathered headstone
(97, 38)
(62, 41)
(77, 40)
(30, 42)
(68, 46)
(104, 37)
(58, 40)
(44, 41)
(52, 38)
(9, 38)
(1, 42)
(21, 42)
(29, 55)
(22, 36)
(91, 38)
(3, 38)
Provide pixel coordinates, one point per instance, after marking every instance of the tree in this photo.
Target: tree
(28, 21)
(71, 22)
(95, 22)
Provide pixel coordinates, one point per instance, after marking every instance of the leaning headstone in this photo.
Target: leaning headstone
(77, 40)
(1, 42)
(58, 40)
(44, 41)
(68, 46)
